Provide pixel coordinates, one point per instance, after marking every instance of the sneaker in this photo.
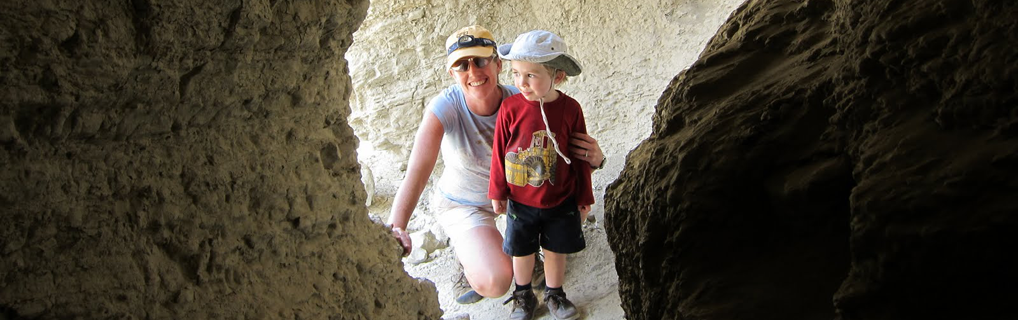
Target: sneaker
(524, 304)
(469, 296)
(560, 307)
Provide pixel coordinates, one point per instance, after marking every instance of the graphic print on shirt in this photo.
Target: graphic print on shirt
(534, 165)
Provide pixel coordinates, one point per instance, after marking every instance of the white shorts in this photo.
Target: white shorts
(456, 219)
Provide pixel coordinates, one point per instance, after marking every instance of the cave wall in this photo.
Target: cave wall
(830, 160)
(629, 51)
(187, 159)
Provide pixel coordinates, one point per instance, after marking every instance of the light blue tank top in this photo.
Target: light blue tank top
(466, 146)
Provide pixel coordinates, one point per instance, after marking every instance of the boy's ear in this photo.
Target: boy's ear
(559, 76)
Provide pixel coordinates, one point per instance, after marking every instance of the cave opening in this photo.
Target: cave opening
(396, 70)
(193, 160)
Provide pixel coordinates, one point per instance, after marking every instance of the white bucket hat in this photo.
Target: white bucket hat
(542, 47)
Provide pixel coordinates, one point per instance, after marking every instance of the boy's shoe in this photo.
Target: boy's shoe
(524, 304)
(560, 307)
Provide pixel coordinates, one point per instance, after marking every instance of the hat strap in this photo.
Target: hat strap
(547, 130)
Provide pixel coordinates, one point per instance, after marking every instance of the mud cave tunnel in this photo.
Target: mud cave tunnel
(771, 159)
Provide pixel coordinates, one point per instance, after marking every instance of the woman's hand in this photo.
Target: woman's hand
(404, 240)
(584, 147)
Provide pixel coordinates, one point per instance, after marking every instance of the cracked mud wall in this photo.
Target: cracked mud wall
(187, 159)
(830, 160)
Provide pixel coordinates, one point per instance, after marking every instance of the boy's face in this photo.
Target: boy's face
(534, 81)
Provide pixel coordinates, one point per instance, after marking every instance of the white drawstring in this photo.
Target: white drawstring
(547, 130)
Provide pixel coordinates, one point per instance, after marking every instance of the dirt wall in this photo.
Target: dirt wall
(187, 159)
(829, 160)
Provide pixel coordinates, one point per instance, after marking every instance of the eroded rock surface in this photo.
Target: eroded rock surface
(187, 159)
(821, 160)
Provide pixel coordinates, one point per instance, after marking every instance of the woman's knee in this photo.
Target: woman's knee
(495, 284)
(489, 270)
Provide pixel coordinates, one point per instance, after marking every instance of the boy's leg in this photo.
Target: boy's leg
(521, 242)
(524, 300)
(523, 269)
(564, 236)
(554, 295)
(554, 268)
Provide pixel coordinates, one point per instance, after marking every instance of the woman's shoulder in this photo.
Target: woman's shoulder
(446, 105)
(451, 93)
(510, 89)
(448, 98)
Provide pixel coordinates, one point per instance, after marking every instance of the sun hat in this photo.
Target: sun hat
(472, 41)
(542, 47)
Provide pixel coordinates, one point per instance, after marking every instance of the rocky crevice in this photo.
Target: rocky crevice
(164, 160)
(825, 160)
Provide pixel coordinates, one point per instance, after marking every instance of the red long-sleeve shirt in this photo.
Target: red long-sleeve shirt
(524, 165)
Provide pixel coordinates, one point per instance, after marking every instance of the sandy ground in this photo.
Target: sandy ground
(591, 283)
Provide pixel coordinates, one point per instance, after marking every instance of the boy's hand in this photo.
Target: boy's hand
(584, 211)
(499, 206)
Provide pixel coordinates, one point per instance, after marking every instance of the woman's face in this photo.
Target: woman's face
(534, 81)
(477, 81)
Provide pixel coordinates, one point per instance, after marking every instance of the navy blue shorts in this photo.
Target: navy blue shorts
(556, 229)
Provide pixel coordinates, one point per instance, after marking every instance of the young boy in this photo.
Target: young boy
(548, 195)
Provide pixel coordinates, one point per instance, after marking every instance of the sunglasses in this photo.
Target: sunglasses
(468, 41)
(464, 64)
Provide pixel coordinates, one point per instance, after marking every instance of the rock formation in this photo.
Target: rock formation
(821, 160)
(187, 159)
(830, 160)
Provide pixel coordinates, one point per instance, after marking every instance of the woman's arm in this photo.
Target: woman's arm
(423, 156)
(584, 186)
